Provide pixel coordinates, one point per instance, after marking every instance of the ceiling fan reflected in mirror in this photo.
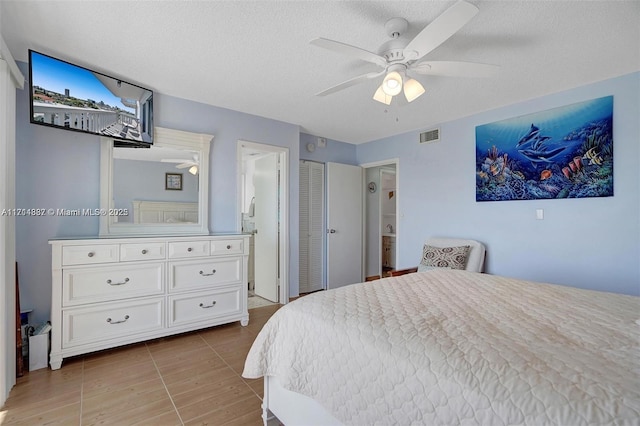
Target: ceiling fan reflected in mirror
(401, 58)
(192, 164)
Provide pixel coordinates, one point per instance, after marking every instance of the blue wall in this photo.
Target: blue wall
(334, 152)
(592, 243)
(60, 169)
(129, 187)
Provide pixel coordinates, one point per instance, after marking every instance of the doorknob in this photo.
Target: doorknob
(331, 231)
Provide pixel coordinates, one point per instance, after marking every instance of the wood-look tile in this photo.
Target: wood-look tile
(236, 363)
(255, 328)
(145, 397)
(193, 391)
(118, 369)
(43, 380)
(257, 385)
(170, 418)
(188, 388)
(60, 415)
(253, 417)
(170, 362)
(227, 413)
(20, 409)
(33, 393)
(123, 355)
(217, 399)
(142, 384)
(190, 370)
(169, 345)
(129, 415)
(241, 344)
(107, 380)
(225, 335)
(263, 312)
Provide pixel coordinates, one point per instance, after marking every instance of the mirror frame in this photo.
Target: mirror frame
(169, 138)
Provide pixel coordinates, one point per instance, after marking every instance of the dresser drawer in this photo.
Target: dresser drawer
(185, 249)
(204, 273)
(99, 284)
(203, 306)
(233, 246)
(85, 255)
(141, 251)
(111, 321)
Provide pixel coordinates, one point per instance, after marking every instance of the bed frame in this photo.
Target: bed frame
(282, 406)
(164, 212)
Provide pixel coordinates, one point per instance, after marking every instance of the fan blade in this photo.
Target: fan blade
(351, 82)
(184, 165)
(454, 69)
(172, 160)
(347, 49)
(438, 31)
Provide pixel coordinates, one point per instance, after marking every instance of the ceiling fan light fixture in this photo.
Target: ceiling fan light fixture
(392, 83)
(382, 97)
(413, 89)
(193, 170)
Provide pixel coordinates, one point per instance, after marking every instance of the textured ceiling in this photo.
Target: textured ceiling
(255, 56)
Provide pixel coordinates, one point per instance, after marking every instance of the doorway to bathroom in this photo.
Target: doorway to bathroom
(382, 218)
(262, 206)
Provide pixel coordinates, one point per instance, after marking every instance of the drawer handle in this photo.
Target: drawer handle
(144, 251)
(126, 280)
(213, 271)
(228, 246)
(110, 321)
(208, 306)
(189, 249)
(91, 254)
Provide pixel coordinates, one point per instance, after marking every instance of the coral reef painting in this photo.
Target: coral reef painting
(565, 152)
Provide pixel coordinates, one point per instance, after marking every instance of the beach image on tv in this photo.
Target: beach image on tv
(76, 98)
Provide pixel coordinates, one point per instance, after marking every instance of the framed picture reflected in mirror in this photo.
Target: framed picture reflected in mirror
(173, 181)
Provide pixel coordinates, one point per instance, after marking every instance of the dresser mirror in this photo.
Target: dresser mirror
(161, 190)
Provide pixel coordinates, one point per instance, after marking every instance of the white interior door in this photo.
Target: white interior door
(344, 224)
(265, 181)
(312, 228)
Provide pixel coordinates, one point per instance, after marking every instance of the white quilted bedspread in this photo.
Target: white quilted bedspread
(455, 347)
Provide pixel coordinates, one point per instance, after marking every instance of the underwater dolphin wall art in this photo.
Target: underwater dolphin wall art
(564, 152)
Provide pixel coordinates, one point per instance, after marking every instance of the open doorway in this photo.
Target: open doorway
(382, 218)
(262, 206)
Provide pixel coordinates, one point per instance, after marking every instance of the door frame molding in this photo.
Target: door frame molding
(283, 255)
(380, 163)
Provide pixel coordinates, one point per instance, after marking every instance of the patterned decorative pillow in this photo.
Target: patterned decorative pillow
(445, 257)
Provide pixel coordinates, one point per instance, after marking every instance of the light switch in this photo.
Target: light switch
(539, 214)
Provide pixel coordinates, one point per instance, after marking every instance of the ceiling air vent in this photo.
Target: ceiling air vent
(430, 136)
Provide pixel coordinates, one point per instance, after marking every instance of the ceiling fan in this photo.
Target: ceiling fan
(400, 58)
(183, 164)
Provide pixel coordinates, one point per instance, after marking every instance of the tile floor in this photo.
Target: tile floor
(257, 302)
(193, 378)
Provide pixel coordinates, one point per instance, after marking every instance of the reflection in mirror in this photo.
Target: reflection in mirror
(161, 190)
(156, 185)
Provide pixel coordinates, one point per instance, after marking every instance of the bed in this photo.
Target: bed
(451, 347)
(164, 212)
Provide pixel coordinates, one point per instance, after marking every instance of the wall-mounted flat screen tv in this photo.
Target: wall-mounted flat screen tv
(71, 97)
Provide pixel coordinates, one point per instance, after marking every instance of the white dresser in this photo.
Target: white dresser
(115, 291)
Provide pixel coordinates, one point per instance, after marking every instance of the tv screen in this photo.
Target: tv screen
(71, 97)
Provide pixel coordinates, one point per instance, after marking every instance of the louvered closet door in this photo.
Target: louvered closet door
(311, 226)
